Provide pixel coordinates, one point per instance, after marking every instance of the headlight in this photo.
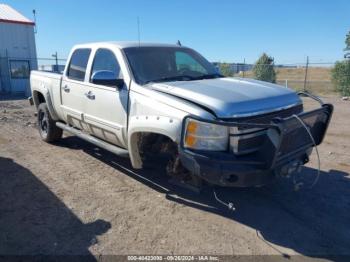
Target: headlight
(205, 136)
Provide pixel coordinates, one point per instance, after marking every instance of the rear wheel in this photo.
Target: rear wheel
(48, 130)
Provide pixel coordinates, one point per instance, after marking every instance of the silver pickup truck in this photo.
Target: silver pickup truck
(138, 99)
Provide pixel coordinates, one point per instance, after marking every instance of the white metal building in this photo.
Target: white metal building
(17, 51)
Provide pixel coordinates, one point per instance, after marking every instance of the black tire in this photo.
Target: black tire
(48, 130)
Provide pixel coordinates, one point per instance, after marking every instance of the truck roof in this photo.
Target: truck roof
(126, 44)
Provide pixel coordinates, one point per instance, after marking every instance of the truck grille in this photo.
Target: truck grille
(245, 140)
(266, 118)
(245, 144)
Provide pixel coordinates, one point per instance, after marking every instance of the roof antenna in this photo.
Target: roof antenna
(35, 26)
(138, 30)
(178, 43)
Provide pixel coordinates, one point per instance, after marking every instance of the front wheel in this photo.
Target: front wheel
(48, 130)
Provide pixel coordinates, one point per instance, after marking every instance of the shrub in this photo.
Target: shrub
(225, 69)
(341, 77)
(264, 69)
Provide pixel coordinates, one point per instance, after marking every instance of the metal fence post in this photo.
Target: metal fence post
(8, 71)
(56, 58)
(243, 67)
(306, 69)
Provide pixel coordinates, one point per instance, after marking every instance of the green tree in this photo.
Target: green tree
(341, 77)
(347, 41)
(225, 69)
(264, 69)
(341, 72)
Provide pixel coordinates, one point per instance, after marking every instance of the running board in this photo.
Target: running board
(93, 140)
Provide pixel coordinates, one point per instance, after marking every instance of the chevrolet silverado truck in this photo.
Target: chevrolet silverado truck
(144, 100)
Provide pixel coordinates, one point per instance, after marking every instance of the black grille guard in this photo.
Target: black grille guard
(286, 137)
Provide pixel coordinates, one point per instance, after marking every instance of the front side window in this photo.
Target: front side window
(161, 64)
(78, 64)
(20, 69)
(105, 60)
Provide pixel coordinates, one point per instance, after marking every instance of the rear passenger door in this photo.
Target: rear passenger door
(106, 109)
(73, 89)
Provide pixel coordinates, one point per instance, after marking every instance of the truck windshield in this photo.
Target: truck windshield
(162, 64)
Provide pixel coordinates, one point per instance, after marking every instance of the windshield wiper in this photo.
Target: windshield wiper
(171, 78)
(184, 78)
(208, 76)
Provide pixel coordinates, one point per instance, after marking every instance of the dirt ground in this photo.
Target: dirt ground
(73, 198)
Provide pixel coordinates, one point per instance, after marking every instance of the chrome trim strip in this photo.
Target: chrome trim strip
(234, 131)
(72, 112)
(234, 140)
(250, 135)
(103, 123)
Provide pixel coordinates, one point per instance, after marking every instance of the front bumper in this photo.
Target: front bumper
(286, 143)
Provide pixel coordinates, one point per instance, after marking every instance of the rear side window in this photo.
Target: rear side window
(105, 60)
(78, 63)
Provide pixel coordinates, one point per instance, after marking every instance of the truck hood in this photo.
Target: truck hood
(232, 97)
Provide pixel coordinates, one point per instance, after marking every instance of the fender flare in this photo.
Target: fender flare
(163, 125)
(46, 94)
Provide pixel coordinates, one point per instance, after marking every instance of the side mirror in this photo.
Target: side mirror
(107, 78)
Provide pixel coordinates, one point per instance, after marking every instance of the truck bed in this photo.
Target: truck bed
(48, 83)
(49, 74)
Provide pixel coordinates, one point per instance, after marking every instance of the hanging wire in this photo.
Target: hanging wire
(318, 156)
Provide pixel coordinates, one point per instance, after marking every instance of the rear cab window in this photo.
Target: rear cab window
(78, 64)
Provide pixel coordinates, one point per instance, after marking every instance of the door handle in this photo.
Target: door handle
(66, 89)
(90, 95)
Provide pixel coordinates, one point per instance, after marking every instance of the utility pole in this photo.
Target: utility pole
(138, 31)
(35, 26)
(306, 69)
(56, 58)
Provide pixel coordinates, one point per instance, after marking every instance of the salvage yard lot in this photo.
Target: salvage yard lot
(73, 198)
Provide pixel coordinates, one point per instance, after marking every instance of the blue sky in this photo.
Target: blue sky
(221, 30)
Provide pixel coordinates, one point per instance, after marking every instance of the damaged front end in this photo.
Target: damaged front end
(258, 149)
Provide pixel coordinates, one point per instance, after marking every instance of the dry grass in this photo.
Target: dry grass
(314, 74)
(318, 79)
(298, 74)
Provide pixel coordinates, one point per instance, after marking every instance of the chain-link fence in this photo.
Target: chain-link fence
(51, 64)
(313, 77)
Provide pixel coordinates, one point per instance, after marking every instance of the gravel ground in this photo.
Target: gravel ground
(73, 198)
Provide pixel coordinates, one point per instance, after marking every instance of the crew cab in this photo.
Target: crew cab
(142, 99)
